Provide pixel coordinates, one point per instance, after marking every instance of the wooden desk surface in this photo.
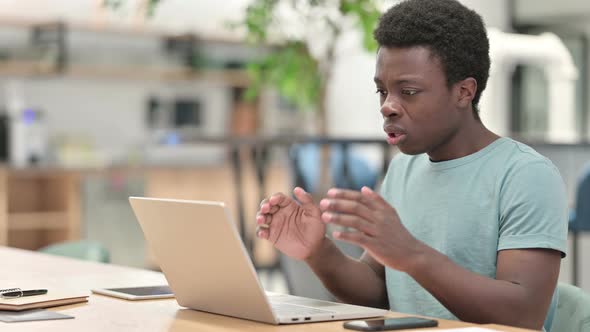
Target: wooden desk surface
(103, 313)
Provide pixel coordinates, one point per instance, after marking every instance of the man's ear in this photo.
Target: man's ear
(466, 90)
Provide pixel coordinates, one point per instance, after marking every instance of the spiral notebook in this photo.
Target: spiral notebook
(54, 297)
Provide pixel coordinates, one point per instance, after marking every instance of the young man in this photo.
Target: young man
(468, 225)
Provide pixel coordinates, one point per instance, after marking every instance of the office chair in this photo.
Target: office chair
(580, 218)
(83, 249)
(573, 310)
(348, 170)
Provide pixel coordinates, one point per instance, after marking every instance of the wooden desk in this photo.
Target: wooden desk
(103, 313)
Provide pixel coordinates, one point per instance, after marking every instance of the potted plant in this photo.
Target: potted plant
(299, 65)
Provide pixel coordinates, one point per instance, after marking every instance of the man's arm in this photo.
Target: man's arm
(519, 296)
(360, 282)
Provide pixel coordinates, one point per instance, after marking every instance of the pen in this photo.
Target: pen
(29, 292)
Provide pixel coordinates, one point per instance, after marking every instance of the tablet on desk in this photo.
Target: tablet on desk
(137, 293)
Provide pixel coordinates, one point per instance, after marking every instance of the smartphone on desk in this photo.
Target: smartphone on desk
(137, 293)
(390, 324)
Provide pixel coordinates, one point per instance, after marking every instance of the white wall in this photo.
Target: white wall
(535, 11)
(495, 13)
(204, 16)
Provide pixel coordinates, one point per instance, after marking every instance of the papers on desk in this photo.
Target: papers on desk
(54, 297)
(30, 315)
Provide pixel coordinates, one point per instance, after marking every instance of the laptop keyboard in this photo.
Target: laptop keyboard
(286, 309)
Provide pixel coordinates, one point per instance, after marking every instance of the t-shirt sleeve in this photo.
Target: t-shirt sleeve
(533, 209)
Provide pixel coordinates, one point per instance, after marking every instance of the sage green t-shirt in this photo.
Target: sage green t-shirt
(505, 196)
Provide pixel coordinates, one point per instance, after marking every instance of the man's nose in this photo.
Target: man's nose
(390, 109)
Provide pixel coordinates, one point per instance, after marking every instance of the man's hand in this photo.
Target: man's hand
(376, 226)
(293, 228)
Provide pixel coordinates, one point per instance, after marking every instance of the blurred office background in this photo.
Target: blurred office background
(101, 100)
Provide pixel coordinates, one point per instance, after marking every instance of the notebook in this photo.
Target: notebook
(204, 260)
(31, 315)
(53, 298)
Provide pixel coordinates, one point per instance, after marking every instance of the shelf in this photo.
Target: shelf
(115, 28)
(233, 77)
(25, 68)
(37, 220)
(54, 34)
(38, 207)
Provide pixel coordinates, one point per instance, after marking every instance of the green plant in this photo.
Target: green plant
(117, 4)
(290, 66)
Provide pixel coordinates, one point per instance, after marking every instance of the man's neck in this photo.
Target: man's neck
(471, 138)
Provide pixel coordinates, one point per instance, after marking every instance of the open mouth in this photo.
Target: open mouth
(395, 134)
(395, 138)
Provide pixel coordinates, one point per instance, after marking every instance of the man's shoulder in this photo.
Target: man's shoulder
(517, 156)
(525, 173)
(522, 152)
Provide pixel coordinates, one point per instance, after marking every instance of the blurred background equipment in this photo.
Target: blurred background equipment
(26, 128)
(546, 51)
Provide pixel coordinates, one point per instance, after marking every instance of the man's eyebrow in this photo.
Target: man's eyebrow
(397, 82)
(406, 81)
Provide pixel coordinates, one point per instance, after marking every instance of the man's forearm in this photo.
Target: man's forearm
(350, 280)
(476, 298)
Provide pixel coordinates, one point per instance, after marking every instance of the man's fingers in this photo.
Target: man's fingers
(346, 220)
(379, 201)
(351, 207)
(271, 209)
(263, 220)
(265, 214)
(306, 201)
(279, 199)
(357, 238)
(262, 233)
(267, 208)
(303, 196)
(352, 195)
(372, 196)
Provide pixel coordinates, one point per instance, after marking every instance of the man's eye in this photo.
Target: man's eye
(409, 92)
(381, 92)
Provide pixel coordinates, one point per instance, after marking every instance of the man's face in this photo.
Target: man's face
(418, 108)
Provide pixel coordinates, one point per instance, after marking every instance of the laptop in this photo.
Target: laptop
(200, 252)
